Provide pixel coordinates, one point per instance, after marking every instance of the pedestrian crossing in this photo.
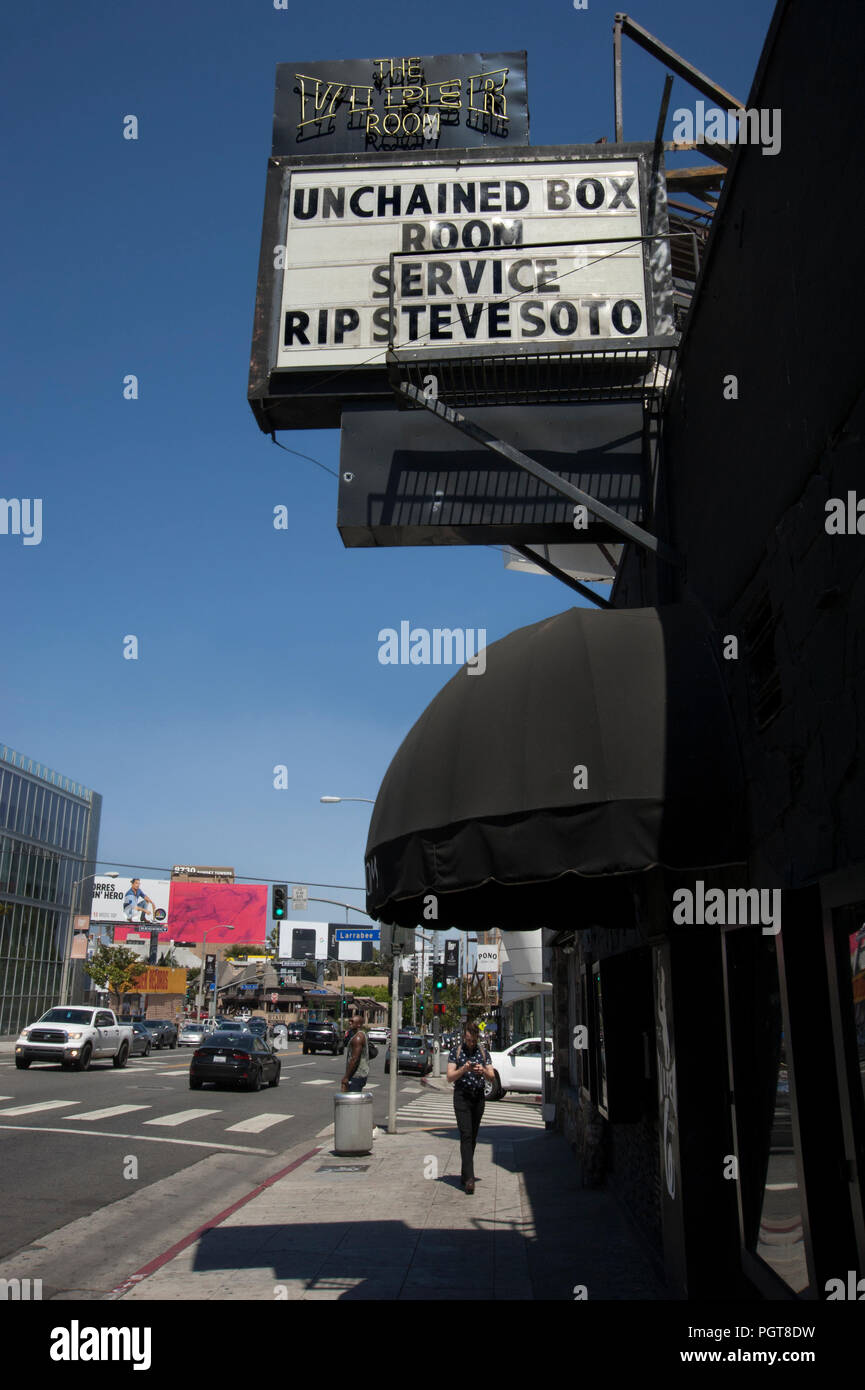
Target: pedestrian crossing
(436, 1108)
(253, 1124)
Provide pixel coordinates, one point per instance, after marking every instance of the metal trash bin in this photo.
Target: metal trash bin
(352, 1122)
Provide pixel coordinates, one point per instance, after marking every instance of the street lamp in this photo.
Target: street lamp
(64, 980)
(331, 800)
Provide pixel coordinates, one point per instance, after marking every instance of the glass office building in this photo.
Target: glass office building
(49, 829)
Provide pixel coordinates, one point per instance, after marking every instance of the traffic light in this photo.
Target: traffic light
(438, 980)
(280, 902)
(421, 1004)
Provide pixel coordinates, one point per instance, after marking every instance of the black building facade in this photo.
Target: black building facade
(721, 1091)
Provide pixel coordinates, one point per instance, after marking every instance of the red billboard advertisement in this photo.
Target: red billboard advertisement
(216, 908)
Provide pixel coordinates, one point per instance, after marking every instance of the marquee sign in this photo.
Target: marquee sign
(459, 255)
(453, 101)
(453, 259)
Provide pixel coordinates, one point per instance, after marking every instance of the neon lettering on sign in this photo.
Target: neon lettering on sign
(456, 100)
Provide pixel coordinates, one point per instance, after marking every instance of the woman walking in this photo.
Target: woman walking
(468, 1067)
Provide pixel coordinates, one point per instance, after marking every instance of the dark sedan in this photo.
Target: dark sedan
(142, 1040)
(232, 1057)
(162, 1031)
(295, 1030)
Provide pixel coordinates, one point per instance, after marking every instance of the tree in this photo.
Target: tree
(115, 968)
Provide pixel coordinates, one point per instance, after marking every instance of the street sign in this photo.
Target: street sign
(452, 968)
(299, 899)
(292, 963)
(274, 998)
(358, 934)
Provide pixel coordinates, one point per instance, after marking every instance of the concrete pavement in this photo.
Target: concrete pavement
(396, 1224)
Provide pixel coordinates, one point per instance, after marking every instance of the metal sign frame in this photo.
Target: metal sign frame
(300, 398)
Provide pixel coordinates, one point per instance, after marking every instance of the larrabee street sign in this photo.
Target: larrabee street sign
(523, 253)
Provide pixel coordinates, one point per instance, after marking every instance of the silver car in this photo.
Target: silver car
(193, 1034)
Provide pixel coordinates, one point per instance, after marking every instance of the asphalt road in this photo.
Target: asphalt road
(136, 1157)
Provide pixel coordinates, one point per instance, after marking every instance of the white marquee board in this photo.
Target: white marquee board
(488, 275)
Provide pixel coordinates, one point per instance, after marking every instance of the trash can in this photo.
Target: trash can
(352, 1122)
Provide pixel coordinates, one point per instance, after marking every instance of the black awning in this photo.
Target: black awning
(480, 807)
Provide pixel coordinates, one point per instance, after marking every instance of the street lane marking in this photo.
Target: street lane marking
(256, 1124)
(108, 1112)
(40, 1105)
(334, 1081)
(143, 1138)
(182, 1117)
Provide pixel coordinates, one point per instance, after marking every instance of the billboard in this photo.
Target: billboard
(142, 901)
(161, 980)
(296, 942)
(217, 907)
(438, 101)
(483, 255)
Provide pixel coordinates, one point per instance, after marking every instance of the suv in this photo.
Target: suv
(322, 1037)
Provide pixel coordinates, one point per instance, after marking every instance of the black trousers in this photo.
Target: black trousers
(469, 1113)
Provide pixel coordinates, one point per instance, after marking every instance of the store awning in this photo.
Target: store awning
(485, 807)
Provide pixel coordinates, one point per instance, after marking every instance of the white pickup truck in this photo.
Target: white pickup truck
(74, 1035)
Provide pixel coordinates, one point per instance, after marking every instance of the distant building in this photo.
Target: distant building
(49, 832)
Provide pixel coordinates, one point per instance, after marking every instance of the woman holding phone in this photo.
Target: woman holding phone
(468, 1067)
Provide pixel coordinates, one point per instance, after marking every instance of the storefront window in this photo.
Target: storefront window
(780, 1240)
(852, 920)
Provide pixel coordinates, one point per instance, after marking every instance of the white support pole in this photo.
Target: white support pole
(395, 1011)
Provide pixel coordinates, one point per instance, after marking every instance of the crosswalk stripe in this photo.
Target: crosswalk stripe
(496, 1114)
(182, 1117)
(256, 1124)
(40, 1105)
(321, 1082)
(108, 1113)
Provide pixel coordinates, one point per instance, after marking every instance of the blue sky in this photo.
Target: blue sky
(257, 647)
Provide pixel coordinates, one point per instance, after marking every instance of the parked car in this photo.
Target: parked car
(192, 1034)
(518, 1068)
(322, 1037)
(414, 1054)
(142, 1040)
(162, 1030)
(295, 1030)
(234, 1056)
(378, 1033)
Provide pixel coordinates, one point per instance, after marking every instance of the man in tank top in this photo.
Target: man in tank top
(356, 1057)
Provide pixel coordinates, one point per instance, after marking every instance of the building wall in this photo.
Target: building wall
(776, 323)
(49, 829)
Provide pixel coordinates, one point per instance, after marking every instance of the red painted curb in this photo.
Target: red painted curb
(153, 1265)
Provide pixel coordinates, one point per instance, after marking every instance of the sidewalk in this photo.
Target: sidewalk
(396, 1224)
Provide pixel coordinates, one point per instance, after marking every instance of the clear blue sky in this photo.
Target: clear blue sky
(257, 647)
